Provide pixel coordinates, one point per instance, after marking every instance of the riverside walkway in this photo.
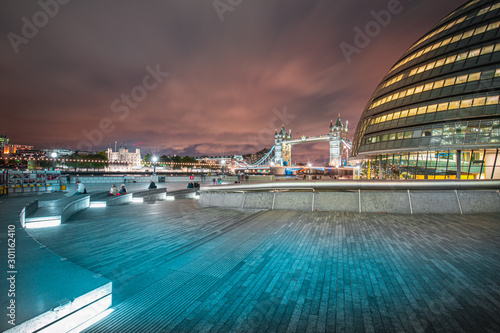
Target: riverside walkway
(179, 267)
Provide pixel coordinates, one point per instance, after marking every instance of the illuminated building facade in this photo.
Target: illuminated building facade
(436, 113)
(123, 160)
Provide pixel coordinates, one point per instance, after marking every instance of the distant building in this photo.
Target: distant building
(123, 160)
(59, 151)
(4, 140)
(15, 149)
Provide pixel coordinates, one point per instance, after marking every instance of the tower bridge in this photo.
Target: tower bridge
(280, 155)
(338, 138)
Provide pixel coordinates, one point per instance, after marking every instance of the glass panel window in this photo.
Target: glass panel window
(474, 76)
(485, 126)
(456, 38)
(473, 127)
(462, 79)
(389, 116)
(392, 136)
(492, 100)
(400, 135)
(412, 112)
(440, 62)
(408, 134)
(432, 108)
(451, 59)
(468, 34)
(480, 30)
(430, 66)
(383, 119)
(460, 128)
(466, 103)
(419, 89)
(396, 115)
(404, 114)
(442, 106)
(454, 105)
(446, 42)
(402, 94)
(437, 131)
(493, 26)
(428, 86)
(449, 82)
(483, 11)
(474, 53)
(497, 47)
(422, 110)
(385, 137)
(438, 84)
(462, 56)
(413, 71)
(417, 133)
(410, 91)
(487, 49)
(479, 101)
(421, 69)
(449, 129)
(497, 73)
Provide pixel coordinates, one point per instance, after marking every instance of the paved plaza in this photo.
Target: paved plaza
(177, 267)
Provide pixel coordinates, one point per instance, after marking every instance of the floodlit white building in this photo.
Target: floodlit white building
(123, 160)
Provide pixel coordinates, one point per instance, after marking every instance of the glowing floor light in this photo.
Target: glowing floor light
(43, 222)
(137, 199)
(92, 321)
(170, 198)
(97, 204)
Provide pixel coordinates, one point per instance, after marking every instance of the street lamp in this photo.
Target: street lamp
(155, 159)
(53, 155)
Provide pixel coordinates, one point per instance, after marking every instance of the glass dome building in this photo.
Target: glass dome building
(436, 114)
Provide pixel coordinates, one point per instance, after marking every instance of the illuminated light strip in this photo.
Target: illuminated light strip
(450, 40)
(91, 322)
(43, 222)
(137, 199)
(424, 87)
(97, 204)
(443, 28)
(460, 20)
(445, 61)
(478, 101)
(170, 198)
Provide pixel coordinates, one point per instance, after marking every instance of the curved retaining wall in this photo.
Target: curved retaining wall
(74, 207)
(361, 201)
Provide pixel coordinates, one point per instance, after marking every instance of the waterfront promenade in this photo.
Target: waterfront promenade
(179, 267)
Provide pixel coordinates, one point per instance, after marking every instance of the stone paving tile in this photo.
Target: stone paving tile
(177, 267)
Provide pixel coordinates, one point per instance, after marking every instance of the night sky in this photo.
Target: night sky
(195, 77)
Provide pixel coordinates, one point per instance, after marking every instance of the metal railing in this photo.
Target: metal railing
(354, 185)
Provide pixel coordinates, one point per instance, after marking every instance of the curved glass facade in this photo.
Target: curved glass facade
(436, 114)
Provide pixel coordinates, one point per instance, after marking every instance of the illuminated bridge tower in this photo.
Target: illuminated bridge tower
(339, 153)
(283, 150)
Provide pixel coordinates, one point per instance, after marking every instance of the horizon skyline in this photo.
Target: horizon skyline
(197, 79)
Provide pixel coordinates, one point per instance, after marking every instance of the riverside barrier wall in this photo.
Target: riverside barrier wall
(405, 197)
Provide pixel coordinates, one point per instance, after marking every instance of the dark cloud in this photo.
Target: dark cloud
(226, 77)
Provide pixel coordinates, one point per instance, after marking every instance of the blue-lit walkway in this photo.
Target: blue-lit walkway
(181, 268)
